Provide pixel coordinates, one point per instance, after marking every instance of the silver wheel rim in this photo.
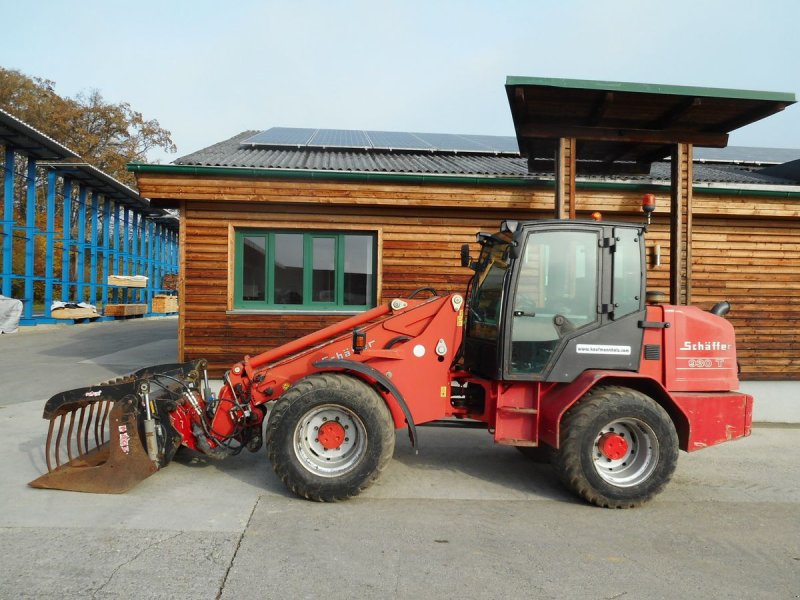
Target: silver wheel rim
(321, 460)
(639, 460)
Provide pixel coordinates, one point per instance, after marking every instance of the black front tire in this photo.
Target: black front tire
(638, 468)
(310, 464)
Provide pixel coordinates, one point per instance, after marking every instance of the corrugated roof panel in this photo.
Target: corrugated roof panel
(230, 153)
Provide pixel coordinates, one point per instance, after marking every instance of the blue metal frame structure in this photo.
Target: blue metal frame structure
(30, 237)
(8, 219)
(80, 243)
(66, 241)
(49, 272)
(104, 229)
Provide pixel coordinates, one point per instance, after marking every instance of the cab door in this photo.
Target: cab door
(556, 292)
(575, 301)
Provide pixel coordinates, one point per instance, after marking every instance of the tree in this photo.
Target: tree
(106, 135)
(103, 134)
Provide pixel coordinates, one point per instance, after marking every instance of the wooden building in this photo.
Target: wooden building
(286, 231)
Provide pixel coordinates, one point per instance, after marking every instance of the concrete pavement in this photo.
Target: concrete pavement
(41, 361)
(462, 519)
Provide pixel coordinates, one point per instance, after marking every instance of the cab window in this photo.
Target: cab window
(627, 286)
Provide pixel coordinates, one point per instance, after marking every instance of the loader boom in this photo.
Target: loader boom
(408, 348)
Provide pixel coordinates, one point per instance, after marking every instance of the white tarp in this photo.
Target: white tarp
(58, 304)
(10, 311)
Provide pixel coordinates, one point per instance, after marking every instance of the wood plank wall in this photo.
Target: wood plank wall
(756, 266)
(744, 249)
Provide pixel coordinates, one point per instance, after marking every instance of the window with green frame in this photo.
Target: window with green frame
(310, 270)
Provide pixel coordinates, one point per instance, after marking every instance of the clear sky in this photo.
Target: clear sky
(209, 70)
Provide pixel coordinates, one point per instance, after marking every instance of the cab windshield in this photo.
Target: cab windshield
(486, 302)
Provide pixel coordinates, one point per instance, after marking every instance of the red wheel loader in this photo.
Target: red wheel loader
(554, 349)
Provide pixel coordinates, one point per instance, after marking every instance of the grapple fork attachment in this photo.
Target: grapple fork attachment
(97, 437)
(116, 459)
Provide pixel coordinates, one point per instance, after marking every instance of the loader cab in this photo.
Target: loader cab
(551, 299)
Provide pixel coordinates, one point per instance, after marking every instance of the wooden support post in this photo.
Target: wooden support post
(565, 179)
(680, 227)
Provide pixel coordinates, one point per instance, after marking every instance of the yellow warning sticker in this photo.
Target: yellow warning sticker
(443, 391)
(460, 319)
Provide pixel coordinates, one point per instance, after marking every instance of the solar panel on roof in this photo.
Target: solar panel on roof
(383, 140)
(282, 136)
(340, 138)
(497, 143)
(747, 154)
(398, 140)
(450, 141)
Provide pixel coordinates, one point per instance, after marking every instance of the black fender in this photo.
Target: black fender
(372, 373)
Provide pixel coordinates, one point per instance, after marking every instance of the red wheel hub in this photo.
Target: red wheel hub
(331, 435)
(613, 446)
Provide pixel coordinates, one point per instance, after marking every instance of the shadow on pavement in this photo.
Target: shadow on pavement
(452, 464)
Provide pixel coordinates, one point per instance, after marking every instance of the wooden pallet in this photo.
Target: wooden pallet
(165, 304)
(74, 313)
(124, 310)
(132, 281)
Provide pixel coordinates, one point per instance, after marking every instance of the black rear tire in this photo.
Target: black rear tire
(311, 418)
(630, 473)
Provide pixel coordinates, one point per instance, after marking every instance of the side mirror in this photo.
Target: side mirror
(465, 258)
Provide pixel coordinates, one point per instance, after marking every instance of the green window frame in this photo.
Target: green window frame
(292, 271)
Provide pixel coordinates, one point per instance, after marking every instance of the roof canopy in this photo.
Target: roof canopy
(626, 126)
(101, 182)
(112, 189)
(29, 141)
